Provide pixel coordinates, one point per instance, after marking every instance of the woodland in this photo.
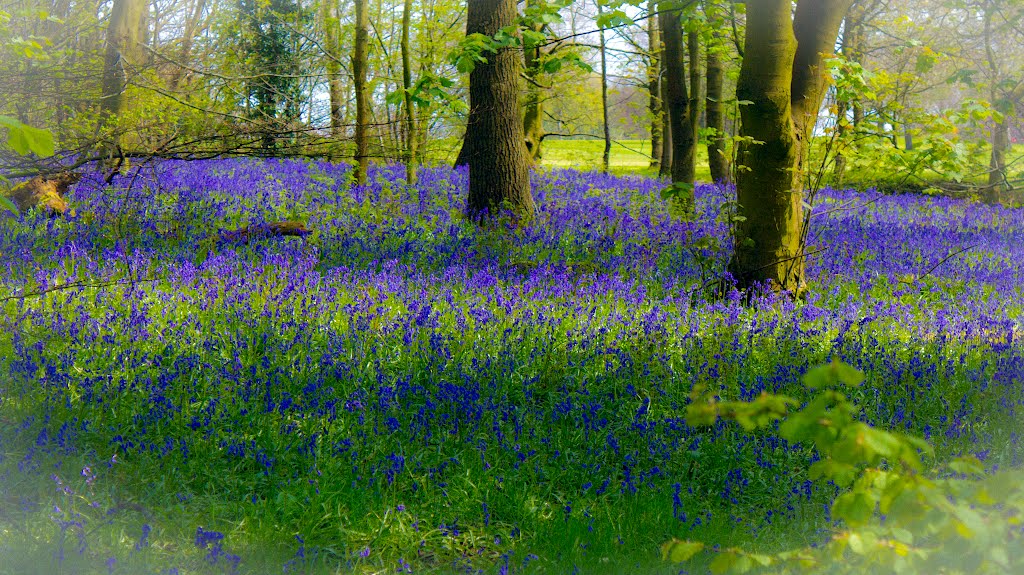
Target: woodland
(547, 286)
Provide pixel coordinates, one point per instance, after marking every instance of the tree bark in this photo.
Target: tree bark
(997, 161)
(499, 172)
(853, 51)
(533, 113)
(359, 66)
(188, 37)
(410, 110)
(665, 170)
(781, 77)
(718, 161)
(332, 39)
(606, 156)
(693, 56)
(677, 103)
(121, 49)
(654, 84)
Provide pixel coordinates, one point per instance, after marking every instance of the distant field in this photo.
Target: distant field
(628, 156)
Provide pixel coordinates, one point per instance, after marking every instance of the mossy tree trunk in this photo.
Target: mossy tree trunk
(410, 110)
(997, 179)
(121, 51)
(332, 39)
(654, 84)
(718, 161)
(693, 58)
(499, 172)
(360, 63)
(677, 103)
(781, 76)
(533, 112)
(665, 170)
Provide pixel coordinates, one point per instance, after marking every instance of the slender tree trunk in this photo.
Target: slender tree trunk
(665, 171)
(843, 127)
(693, 55)
(533, 113)
(997, 162)
(499, 172)
(677, 104)
(853, 50)
(718, 161)
(187, 38)
(606, 156)
(332, 39)
(654, 84)
(410, 110)
(781, 77)
(121, 49)
(359, 66)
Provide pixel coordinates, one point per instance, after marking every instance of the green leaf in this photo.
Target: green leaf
(723, 563)
(26, 139)
(678, 551)
(855, 507)
(6, 203)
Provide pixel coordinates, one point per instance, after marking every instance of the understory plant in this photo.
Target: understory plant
(892, 514)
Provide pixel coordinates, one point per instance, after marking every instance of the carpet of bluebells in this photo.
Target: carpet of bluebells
(403, 391)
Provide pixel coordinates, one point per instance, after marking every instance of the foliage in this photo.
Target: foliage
(889, 514)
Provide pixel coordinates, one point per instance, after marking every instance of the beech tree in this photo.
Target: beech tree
(782, 79)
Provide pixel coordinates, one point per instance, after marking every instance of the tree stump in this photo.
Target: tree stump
(46, 194)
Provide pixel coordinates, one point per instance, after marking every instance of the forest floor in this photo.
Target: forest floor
(403, 391)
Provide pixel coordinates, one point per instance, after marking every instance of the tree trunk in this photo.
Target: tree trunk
(606, 156)
(781, 77)
(997, 162)
(332, 39)
(188, 36)
(654, 83)
(121, 49)
(718, 161)
(665, 171)
(677, 104)
(410, 110)
(359, 66)
(693, 56)
(533, 114)
(853, 51)
(499, 172)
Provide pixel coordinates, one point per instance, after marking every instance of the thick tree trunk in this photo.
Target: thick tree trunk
(665, 171)
(410, 110)
(781, 77)
(654, 84)
(718, 161)
(606, 156)
(499, 172)
(677, 103)
(121, 49)
(359, 66)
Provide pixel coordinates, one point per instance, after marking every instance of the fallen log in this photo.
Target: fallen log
(268, 230)
(46, 194)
